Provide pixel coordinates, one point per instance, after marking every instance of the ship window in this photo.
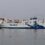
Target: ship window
(30, 22)
(13, 24)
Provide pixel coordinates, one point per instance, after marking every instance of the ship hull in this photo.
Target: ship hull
(20, 26)
(16, 27)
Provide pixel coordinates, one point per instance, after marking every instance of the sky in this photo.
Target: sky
(22, 8)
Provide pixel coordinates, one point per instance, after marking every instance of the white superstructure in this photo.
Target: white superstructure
(10, 23)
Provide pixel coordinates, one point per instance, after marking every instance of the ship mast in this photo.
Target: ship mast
(43, 21)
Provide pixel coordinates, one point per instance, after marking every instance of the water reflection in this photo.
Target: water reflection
(2, 36)
(35, 37)
(22, 37)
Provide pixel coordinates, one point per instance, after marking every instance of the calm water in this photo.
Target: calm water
(22, 37)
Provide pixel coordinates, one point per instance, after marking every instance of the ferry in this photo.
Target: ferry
(32, 23)
(7, 23)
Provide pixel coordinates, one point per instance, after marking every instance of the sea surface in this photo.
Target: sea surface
(22, 37)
